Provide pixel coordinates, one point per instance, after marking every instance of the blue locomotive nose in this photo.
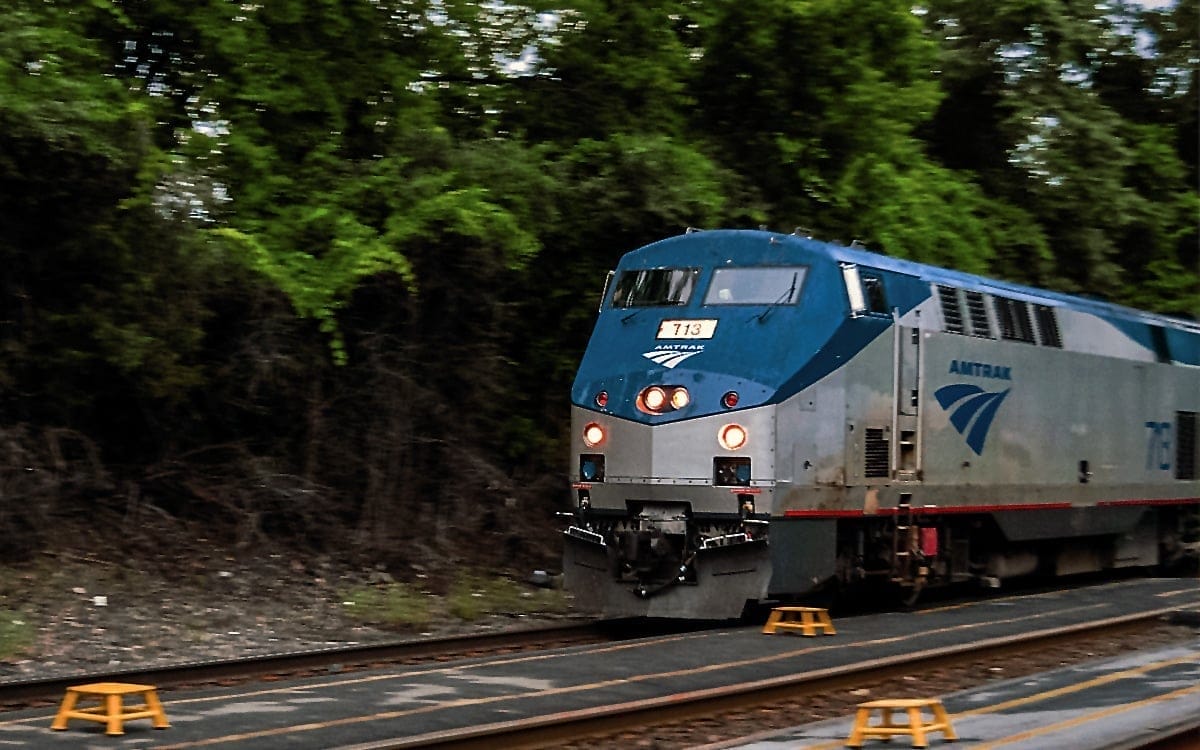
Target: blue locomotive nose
(703, 324)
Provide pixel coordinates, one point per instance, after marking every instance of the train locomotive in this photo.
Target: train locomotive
(760, 417)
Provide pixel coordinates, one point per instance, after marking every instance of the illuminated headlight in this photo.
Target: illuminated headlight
(680, 398)
(593, 435)
(657, 399)
(732, 437)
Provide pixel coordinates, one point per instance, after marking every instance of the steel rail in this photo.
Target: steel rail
(554, 729)
(333, 659)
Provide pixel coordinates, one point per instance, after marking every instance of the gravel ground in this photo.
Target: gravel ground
(90, 614)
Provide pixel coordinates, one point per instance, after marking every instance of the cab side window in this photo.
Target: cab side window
(876, 299)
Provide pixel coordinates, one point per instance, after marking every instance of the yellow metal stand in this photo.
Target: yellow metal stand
(110, 711)
(804, 619)
(917, 727)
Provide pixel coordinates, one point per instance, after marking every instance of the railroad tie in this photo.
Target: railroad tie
(804, 619)
(111, 712)
(916, 727)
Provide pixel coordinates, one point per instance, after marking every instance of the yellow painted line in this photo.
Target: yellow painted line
(1043, 595)
(1013, 597)
(1085, 718)
(1191, 590)
(1125, 674)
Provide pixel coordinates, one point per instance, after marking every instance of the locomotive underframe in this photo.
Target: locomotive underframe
(918, 550)
(659, 559)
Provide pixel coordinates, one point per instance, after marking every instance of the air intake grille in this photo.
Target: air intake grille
(1047, 325)
(979, 319)
(1185, 445)
(951, 311)
(875, 450)
(1014, 319)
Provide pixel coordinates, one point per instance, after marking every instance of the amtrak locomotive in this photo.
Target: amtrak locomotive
(760, 416)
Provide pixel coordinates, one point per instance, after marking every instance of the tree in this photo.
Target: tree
(818, 106)
(102, 292)
(1053, 106)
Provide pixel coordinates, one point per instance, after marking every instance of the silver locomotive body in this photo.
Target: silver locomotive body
(900, 425)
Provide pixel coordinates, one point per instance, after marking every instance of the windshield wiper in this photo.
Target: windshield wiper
(641, 308)
(762, 316)
(636, 312)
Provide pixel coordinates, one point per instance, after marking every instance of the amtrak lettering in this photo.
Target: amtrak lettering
(980, 369)
(670, 355)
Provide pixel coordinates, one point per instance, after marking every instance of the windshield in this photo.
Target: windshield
(655, 286)
(755, 286)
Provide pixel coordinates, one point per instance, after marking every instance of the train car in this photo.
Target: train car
(760, 416)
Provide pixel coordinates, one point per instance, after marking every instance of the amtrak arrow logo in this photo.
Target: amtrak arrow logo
(668, 358)
(973, 412)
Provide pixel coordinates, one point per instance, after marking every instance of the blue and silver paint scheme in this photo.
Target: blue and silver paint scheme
(859, 409)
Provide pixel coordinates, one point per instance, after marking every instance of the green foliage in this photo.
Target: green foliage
(640, 185)
(1167, 287)
(471, 596)
(474, 596)
(104, 294)
(791, 94)
(52, 78)
(614, 67)
(1056, 110)
(16, 634)
(904, 208)
(393, 604)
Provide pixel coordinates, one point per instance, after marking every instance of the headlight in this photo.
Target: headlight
(732, 437)
(657, 399)
(680, 398)
(593, 435)
(654, 398)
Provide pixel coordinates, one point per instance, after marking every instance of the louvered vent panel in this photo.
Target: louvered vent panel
(1047, 324)
(979, 319)
(951, 310)
(1185, 445)
(875, 449)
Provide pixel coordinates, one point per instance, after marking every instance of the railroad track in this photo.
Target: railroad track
(787, 696)
(604, 726)
(27, 693)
